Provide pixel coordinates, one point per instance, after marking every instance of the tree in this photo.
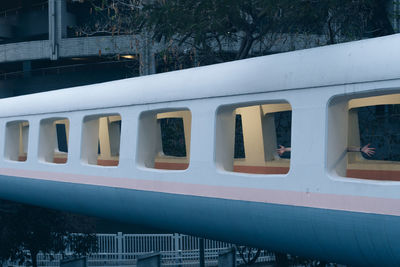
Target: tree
(342, 20)
(211, 31)
(248, 255)
(208, 24)
(26, 228)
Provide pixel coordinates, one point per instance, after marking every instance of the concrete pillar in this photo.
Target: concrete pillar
(337, 122)
(353, 139)
(253, 135)
(61, 11)
(147, 58)
(104, 138)
(57, 25)
(52, 30)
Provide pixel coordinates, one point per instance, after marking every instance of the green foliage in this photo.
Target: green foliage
(208, 25)
(205, 30)
(26, 228)
(110, 17)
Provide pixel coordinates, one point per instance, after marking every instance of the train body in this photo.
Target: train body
(322, 202)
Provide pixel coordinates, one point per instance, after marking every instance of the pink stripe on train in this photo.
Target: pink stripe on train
(349, 203)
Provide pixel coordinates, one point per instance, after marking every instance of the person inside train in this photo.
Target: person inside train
(369, 151)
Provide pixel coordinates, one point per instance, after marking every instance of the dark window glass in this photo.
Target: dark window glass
(173, 137)
(62, 138)
(380, 127)
(239, 144)
(283, 126)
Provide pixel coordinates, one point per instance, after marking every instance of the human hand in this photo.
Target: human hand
(281, 150)
(369, 151)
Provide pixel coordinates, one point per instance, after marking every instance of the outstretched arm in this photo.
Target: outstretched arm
(369, 151)
(283, 149)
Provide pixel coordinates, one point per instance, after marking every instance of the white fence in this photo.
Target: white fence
(176, 250)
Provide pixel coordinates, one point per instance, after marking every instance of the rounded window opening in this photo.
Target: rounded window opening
(374, 138)
(53, 140)
(366, 142)
(254, 138)
(101, 139)
(17, 137)
(164, 139)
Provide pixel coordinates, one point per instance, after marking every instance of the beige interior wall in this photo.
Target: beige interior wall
(24, 138)
(374, 101)
(252, 135)
(104, 137)
(353, 136)
(272, 108)
(259, 135)
(90, 129)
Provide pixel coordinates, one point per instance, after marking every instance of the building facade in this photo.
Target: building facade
(39, 50)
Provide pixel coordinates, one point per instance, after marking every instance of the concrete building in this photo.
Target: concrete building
(39, 50)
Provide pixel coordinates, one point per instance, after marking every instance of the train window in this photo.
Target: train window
(254, 139)
(101, 139)
(239, 152)
(373, 143)
(172, 137)
(164, 139)
(53, 140)
(17, 136)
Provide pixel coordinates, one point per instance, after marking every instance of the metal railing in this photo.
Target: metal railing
(123, 250)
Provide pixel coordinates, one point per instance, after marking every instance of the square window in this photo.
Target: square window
(164, 139)
(363, 139)
(249, 138)
(53, 140)
(101, 139)
(373, 134)
(17, 137)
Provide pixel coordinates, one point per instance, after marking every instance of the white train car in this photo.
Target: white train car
(100, 150)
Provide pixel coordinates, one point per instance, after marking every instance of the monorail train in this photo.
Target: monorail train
(103, 150)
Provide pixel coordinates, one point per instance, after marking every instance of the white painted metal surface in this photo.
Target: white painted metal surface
(356, 62)
(313, 204)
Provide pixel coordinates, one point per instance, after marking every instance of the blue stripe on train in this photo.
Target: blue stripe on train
(332, 235)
